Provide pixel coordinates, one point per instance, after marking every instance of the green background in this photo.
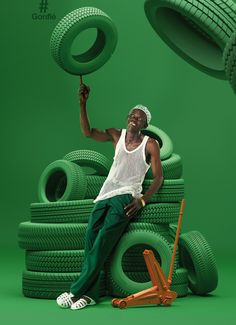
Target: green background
(40, 124)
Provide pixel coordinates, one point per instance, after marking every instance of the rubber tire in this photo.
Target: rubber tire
(77, 211)
(117, 276)
(210, 17)
(229, 57)
(197, 257)
(54, 261)
(95, 184)
(58, 172)
(90, 158)
(172, 190)
(180, 275)
(165, 143)
(51, 285)
(158, 213)
(151, 213)
(172, 168)
(67, 30)
(44, 236)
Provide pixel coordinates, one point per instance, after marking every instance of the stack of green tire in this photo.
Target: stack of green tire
(54, 237)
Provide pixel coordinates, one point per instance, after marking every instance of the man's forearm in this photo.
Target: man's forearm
(154, 187)
(84, 122)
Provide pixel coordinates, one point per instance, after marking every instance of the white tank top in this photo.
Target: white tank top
(127, 171)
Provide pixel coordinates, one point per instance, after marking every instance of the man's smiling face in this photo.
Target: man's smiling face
(137, 120)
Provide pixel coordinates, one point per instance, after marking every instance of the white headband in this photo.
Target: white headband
(145, 110)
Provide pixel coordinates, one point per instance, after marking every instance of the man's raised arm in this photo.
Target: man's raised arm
(96, 134)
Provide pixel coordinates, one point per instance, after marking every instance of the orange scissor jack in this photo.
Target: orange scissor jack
(159, 293)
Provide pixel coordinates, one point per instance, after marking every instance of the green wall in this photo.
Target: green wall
(40, 113)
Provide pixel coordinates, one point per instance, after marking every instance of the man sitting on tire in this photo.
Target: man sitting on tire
(119, 199)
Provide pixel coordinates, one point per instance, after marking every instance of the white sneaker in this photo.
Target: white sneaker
(64, 300)
(81, 303)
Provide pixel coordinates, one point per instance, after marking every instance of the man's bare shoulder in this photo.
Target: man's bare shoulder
(114, 133)
(153, 144)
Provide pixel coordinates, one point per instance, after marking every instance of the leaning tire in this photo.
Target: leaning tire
(192, 27)
(62, 181)
(67, 30)
(118, 278)
(197, 257)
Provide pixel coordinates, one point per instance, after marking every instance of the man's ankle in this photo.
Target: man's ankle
(88, 299)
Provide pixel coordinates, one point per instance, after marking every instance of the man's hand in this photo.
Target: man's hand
(83, 93)
(132, 209)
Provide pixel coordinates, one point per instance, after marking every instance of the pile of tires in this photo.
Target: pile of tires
(54, 237)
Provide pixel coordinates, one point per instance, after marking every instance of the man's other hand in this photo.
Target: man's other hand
(132, 209)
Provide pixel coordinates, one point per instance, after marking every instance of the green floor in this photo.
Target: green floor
(213, 309)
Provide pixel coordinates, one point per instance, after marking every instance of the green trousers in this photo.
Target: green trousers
(106, 224)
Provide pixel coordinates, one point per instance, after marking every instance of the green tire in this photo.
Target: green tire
(172, 190)
(76, 211)
(70, 27)
(46, 236)
(197, 257)
(62, 181)
(172, 168)
(116, 275)
(90, 159)
(229, 58)
(158, 213)
(197, 30)
(180, 289)
(51, 285)
(54, 261)
(165, 143)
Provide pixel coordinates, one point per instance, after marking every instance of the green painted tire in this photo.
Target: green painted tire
(62, 181)
(181, 289)
(70, 27)
(165, 143)
(51, 285)
(172, 168)
(197, 257)
(47, 236)
(179, 285)
(54, 261)
(197, 30)
(95, 183)
(116, 274)
(172, 190)
(158, 213)
(77, 211)
(229, 58)
(180, 275)
(92, 159)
